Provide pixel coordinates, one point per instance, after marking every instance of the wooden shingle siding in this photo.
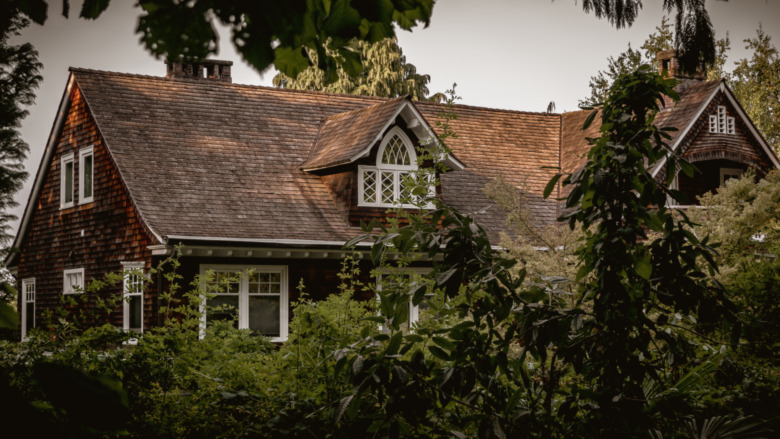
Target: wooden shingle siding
(739, 147)
(95, 236)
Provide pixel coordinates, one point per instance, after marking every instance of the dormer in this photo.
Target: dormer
(367, 157)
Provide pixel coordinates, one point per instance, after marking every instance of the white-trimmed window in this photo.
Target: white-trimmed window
(403, 277)
(133, 296)
(728, 173)
(388, 183)
(28, 306)
(73, 281)
(721, 123)
(86, 174)
(253, 296)
(66, 181)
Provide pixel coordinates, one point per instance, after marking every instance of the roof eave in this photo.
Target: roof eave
(687, 129)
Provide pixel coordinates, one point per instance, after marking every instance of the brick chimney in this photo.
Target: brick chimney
(207, 69)
(667, 62)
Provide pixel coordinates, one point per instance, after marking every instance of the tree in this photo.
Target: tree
(270, 32)
(660, 40)
(695, 37)
(385, 72)
(756, 83)
(19, 77)
(264, 32)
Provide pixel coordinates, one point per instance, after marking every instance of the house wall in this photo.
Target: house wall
(343, 184)
(710, 152)
(96, 236)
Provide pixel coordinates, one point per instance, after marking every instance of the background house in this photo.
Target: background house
(244, 177)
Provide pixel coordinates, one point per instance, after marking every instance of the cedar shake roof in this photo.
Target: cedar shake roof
(344, 135)
(208, 159)
(520, 146)
(574, 146)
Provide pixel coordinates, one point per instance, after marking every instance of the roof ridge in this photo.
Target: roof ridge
(357, 110)
(491, 109)
(377, 99)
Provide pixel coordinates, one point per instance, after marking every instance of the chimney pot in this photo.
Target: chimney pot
(208, 69)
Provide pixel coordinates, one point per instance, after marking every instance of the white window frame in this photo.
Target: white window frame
(67, 288)
(83, 153)
(722, 123)
(243, 295)
(713, 123)
(131, 269)
(397, 170)
(64, 161)
(26, 296)
(731, 172)
(414, 310)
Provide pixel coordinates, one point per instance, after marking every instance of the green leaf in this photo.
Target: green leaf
(589, 119)
(91, 9)
(439, 352)
(551, 185)
(443, 342)
(643, 267)
(290, 61)
(8, 317)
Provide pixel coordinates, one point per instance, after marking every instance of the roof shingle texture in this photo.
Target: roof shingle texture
(344, 135)
(574, 146)
(215, 160)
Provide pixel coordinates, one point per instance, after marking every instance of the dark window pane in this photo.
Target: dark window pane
(136, 312)
(87, 176)
(69, 182)
(30, 323)
(264, 315)
(226, 308)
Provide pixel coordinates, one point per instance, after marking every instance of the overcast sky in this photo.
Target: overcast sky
(510, 54)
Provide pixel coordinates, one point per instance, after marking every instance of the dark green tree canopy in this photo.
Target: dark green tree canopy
(19, 77)
(385, 73)
(695, 37)
(264, 32)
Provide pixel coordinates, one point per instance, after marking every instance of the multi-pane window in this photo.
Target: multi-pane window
(254, 297)
(66, 181)
(28, 306)
(721, 123)
(388, 184)
(133, 297)
(73, 281)
(86, 174)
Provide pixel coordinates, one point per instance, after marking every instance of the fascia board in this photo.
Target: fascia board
(687, 129)
(767, 149)
(51, 146)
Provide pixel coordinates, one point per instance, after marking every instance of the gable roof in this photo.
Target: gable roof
(344, 135)
(694, 99)
(213, 161)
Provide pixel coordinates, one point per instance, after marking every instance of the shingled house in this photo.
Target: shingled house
(276, 181)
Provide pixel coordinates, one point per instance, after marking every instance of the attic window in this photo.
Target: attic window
(721, 123)
(66, 181)
(388, 183)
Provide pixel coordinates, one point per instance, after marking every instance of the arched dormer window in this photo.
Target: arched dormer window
(385, 185)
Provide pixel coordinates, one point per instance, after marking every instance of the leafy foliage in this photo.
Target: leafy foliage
(264, 32)
(385, 73)
(660, 40)
(695, 38)
(19, 77)
(756, 83)
(744, 216)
